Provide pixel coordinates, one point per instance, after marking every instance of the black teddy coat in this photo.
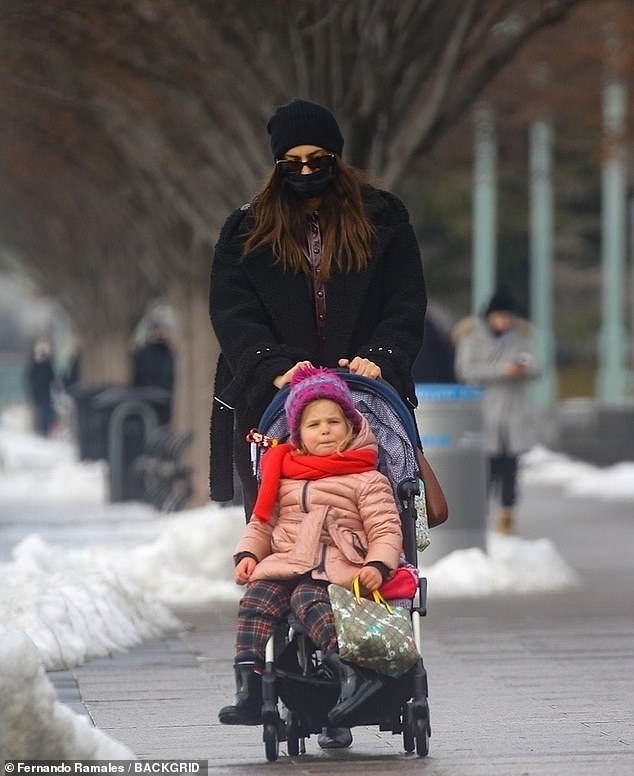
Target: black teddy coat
(264, 319)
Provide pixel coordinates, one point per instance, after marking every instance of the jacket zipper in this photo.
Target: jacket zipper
(321, 566)
(358, 545)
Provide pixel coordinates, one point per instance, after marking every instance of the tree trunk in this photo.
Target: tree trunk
(105, 358)
(196, 355)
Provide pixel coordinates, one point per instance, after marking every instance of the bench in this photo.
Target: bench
(167, 481)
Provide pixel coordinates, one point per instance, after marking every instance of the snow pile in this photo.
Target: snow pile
(73, 611)
(510, 566)
(33, 724)
(190, 562)
(578, 479)
(41, 470)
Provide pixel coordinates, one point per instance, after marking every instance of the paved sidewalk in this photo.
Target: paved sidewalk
(523, 685)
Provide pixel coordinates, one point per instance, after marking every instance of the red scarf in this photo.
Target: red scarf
(279, 462)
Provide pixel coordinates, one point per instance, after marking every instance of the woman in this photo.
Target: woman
(320, 267)
(496, 351)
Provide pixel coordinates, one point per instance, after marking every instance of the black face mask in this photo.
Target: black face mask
(309, 186)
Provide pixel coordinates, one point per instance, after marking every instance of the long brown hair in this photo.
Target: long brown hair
(279, 220)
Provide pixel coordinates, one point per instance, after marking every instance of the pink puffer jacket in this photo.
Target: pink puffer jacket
(329, 527)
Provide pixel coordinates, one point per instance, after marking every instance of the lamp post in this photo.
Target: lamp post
(484, 208)
(612, 377)
(541, 258)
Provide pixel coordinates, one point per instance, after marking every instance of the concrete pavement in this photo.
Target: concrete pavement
(523, 685)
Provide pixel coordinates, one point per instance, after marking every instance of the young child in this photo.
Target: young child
(323, 514)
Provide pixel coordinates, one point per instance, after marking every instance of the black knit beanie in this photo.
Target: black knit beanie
(301, 122)
(501, 301)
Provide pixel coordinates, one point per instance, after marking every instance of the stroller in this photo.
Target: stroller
(296, 691)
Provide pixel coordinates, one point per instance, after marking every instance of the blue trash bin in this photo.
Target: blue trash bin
(450, 422)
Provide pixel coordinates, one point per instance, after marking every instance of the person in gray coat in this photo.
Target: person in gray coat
(496, 352)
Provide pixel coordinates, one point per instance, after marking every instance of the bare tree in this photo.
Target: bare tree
(130, 129)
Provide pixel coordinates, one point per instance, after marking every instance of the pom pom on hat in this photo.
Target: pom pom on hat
(310, 383)
(301, 122)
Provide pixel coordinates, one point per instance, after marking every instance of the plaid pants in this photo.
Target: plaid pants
(268, 602)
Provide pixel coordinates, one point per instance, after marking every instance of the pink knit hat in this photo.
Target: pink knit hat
(309, 384)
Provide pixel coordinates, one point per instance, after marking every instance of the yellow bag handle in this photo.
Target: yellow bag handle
(356, 589)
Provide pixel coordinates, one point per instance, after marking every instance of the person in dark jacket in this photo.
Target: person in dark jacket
(153, 365)
(320, 267)
(40, 380)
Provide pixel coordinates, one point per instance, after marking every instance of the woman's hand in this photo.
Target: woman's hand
(361, 366)
(244, 569)
(282, 380)
(370, 578)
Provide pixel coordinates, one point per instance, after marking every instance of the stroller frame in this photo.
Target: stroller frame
(402, 705)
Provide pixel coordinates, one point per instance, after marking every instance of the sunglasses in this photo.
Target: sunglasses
(314, 164)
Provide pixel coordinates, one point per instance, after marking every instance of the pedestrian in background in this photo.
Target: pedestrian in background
(153, 364)
(40, 381)
(496, 352)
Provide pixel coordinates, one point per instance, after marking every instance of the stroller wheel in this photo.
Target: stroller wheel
(416, 727)
(422, 727)
(292, 735)
(422, 742)
(271, 742)
(409, 743)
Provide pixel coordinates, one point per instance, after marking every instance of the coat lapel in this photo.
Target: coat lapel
(345, 298)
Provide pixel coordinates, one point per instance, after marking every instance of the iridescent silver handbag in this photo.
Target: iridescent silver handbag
(372, 633)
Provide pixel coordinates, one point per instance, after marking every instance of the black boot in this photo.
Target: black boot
(334, 738)
(247, 709)
(356, 688)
